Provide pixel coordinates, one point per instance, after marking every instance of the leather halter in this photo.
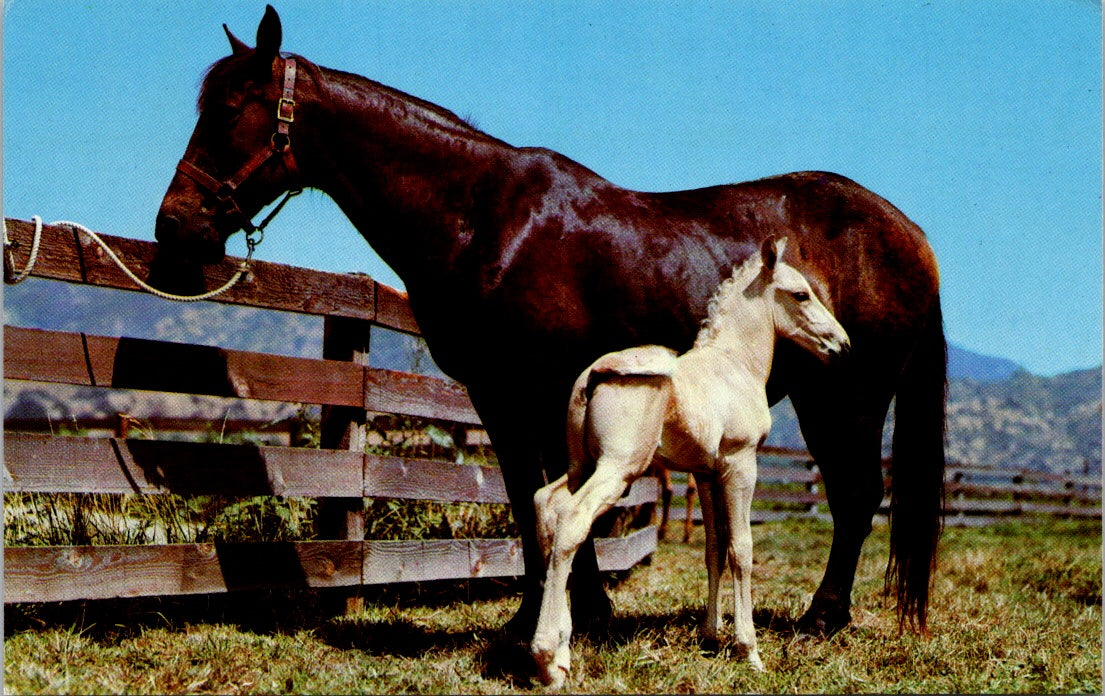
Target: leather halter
(280, 147)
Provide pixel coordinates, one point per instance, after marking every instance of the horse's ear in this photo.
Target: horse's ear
(269, 36)
(237, 46)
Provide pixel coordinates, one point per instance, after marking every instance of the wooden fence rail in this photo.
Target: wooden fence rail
(340, 474)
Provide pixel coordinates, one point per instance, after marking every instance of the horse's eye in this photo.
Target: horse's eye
(801, 296)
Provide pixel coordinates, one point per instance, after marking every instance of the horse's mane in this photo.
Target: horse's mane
(723, 297)
(217, 73)
(364, 88)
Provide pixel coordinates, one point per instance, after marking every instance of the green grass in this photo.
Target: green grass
(1015, 609)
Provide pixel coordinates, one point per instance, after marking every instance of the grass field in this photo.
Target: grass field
(1015, 608)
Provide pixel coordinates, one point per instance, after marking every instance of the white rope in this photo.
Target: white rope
(20, 276)
(243, 268)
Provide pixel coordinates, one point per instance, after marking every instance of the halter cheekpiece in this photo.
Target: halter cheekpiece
(280, 147)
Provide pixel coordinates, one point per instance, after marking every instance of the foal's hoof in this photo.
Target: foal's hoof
(755, 661)
(552, 664)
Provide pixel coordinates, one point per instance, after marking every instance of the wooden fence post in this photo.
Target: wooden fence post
(343, 427)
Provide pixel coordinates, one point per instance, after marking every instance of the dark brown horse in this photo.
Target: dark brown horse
(523, 266)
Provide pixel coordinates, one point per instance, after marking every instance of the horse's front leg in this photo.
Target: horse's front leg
(509, 423)
(737, 478)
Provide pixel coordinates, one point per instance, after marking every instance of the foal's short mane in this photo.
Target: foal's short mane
(722, 299)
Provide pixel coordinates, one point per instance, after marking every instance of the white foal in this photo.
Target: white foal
(706, 412)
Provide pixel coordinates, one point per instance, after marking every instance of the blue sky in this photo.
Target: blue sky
(980, 119)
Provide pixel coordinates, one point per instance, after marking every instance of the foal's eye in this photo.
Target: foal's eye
(801, 296)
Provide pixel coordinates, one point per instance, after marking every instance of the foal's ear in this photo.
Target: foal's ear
(269, 36)
(771, 251)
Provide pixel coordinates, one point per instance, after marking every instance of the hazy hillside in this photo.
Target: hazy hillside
(998, 414)
(1023, 421)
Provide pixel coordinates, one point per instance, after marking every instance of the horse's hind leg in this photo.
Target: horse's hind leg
(845, 440)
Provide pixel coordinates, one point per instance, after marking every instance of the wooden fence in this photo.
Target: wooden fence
(973, 495)
(340, 473)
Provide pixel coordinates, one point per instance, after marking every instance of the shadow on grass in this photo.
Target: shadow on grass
(276, 610)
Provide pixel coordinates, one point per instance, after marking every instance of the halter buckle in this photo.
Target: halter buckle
(285, 110)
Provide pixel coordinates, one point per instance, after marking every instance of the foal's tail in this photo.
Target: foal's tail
(641, 361)
(917, 473)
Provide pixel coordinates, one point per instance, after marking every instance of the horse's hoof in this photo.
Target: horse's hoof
(755, 661)
(522, 625)
(709, 646)
(592, 615)
(824, 621)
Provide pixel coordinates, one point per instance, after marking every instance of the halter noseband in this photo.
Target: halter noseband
(280, 147)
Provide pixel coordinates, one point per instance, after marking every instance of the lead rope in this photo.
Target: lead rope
(243, 267)
(242, 272)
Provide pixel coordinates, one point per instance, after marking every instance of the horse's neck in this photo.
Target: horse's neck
(407, 174)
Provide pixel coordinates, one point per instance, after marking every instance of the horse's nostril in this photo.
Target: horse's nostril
(166, 228)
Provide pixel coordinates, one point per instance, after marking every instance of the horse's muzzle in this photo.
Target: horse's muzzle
(176, 243)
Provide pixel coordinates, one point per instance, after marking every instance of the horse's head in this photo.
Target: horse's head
(239, 158)
(799, 316)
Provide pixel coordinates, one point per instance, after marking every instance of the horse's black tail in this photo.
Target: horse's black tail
(917, 472)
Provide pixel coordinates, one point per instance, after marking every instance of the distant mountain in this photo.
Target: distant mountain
(964, 364)
(998, 413)
(1023, 421)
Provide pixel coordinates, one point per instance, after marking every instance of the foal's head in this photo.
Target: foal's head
(791, 304)
(798, 315)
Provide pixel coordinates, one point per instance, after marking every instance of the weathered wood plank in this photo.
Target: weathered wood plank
(643, 490)
(622, 553)
(490, 558)
(56, 464)
(388, 391)
(45, 574)
(386, 562)
(131, 363)
(421, 479)
(63, 573)
(1021, 489)
(393, 310)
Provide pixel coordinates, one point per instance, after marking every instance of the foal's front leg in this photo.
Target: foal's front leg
(716, 526)
(737, 477)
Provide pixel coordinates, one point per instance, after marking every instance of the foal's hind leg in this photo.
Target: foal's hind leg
(550, 502)
(554, 625)
(625, 417)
